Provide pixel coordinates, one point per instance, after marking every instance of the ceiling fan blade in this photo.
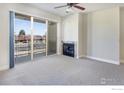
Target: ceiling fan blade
(72, 4)
(60, 6)
(79, 7)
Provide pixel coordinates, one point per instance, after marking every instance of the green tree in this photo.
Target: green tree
(22, 32)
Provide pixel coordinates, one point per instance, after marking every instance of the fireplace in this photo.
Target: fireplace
(68, 49)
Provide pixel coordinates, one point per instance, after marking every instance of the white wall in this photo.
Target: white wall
(103, 35)
(4, 38)
(70, 28)
(122, 35)
(82, 35)
(4, 27)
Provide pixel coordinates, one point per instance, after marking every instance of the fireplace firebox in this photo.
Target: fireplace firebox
(68, 49)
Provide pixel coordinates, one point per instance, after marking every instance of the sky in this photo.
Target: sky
(39, 28)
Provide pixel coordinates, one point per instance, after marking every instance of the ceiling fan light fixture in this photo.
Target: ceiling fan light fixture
(69, 9)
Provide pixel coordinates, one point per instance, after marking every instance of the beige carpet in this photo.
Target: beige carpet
(63, 70)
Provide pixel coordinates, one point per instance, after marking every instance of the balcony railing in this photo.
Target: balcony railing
(23, 46)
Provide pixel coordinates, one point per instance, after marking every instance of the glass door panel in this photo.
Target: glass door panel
(52, 38)
(22, 33)
(39, 38)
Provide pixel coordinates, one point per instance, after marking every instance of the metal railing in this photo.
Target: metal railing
(23, 48)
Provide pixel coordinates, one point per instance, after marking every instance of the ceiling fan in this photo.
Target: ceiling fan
(69, 7)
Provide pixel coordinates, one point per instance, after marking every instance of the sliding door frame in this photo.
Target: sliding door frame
(46, 37)
(12, 22)
(32, 37)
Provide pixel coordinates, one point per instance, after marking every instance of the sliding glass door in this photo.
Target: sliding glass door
(33, 38)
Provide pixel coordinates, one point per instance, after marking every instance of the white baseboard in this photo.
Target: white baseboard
(4, 67)
(82, 56)
(104, 60)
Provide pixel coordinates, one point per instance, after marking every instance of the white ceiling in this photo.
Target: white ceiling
(49, 7)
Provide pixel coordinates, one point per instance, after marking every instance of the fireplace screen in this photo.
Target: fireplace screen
(68, 49)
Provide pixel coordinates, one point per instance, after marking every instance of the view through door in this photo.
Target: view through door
(22, 33)
(39, 38)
